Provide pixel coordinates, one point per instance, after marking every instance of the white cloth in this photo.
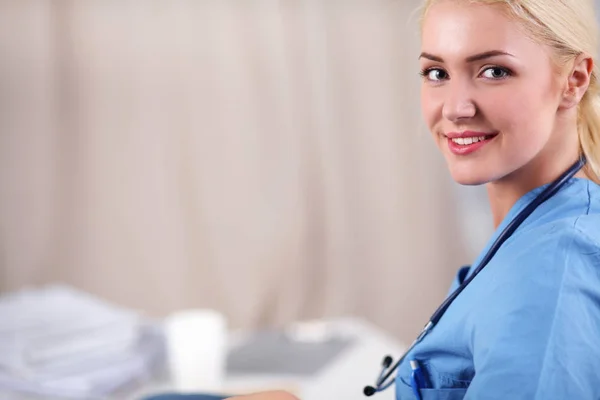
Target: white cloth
(58, 341)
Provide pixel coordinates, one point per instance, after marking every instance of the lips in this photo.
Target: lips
(467, 142)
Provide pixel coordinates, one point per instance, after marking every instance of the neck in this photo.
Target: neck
(546, 167)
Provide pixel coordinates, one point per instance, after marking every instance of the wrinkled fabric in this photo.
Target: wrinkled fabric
(528, 326)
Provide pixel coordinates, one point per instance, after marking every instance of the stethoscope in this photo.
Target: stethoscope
(382, 382)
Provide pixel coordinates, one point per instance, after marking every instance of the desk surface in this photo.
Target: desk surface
(343, 378)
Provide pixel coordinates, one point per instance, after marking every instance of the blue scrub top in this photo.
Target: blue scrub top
(528, 326)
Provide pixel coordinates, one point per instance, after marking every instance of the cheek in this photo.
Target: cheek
(525, 116)
(515, 115)
(430, 108)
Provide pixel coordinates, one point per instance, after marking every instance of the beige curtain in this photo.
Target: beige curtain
(265, 158)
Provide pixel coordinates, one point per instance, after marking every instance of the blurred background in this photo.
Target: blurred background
(264, 158)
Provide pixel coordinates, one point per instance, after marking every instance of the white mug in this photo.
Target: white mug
(196, 347)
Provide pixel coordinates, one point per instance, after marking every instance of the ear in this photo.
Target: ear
(578, 80)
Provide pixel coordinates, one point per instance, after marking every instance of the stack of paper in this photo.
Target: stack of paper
(60, 342)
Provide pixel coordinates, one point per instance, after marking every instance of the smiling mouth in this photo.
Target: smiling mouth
(463, 144)
(465, 141)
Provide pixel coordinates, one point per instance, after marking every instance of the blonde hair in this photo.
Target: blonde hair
(568, 27)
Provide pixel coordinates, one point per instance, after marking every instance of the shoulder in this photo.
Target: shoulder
(544, 260)
(587, 225)
(554, 278)
(557, 244)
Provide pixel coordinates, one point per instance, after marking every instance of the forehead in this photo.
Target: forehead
(459, 29)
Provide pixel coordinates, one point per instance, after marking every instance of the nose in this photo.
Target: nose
(459, 104)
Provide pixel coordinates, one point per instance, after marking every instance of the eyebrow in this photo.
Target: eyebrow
(475, 57)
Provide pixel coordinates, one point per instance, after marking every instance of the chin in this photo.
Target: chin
(470, 181)
(469, 177)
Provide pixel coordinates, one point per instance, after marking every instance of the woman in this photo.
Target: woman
(510, 94)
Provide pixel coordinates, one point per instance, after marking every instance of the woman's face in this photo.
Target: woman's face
(490, 95)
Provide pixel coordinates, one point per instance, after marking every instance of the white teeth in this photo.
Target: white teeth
(468, 140)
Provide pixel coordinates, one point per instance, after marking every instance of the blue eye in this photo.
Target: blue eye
(495, 73)
(434, 74)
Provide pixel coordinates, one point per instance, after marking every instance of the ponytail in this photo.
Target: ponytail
(589, 129)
